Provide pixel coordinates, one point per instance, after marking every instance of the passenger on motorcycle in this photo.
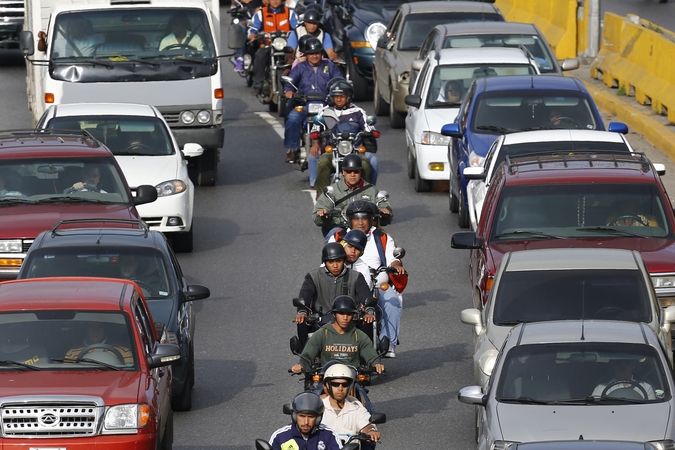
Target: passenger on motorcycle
(311, 26)
(323, 284)
(354, 243)
(253, 6)
(379, 251)
(310, 76)
(351, 187)
(306, 432)
(275, 17)
(343, 413)
(351, 118)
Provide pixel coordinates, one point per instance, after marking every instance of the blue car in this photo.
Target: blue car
(506, 104)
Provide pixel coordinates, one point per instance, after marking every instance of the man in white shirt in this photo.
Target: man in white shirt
(181, 35)
(623, 380)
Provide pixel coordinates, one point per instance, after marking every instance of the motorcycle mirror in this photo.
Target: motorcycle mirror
(288, 410)
(382, 347)
(399, 252)
(382, 196)
(371, 302)
(318, 120)
(378, 418)
(329, 191)
(371, 120)
(261, 444)
(299, 302)
(296, 348)
(286, 79)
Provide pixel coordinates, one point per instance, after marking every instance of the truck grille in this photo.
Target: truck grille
(172, 118)
(25, 244)
(11, 8)
(47, 420)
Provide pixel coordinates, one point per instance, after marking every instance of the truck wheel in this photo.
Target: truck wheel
(379, 105)
(183, 401)
(207, 167)
(182, 242)
(396, 119)
(359, 83)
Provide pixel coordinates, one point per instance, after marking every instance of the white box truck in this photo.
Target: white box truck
(160, 52)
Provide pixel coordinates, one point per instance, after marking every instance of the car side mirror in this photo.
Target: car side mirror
(617, 127)
(452, 130)
(466, 240)
(164, 355)
(383, 41)
(569, 64)
(413, 100)
(472, 395)
(26, 43)
(472, 316)
(145, 194)
(192, 150)
(417, 64)
(235, 38)
(196, 292)
(474, 173)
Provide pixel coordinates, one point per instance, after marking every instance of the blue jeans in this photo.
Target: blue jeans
(240, 52)
(374, 166)
(293, 129)
(391, 314)
(313, 167)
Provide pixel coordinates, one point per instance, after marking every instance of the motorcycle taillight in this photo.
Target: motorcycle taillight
(314, 135)
(376, 134)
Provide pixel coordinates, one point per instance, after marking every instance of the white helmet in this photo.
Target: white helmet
(339, 371)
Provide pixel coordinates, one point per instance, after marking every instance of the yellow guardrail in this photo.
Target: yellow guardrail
(557, 20)
(639, 58)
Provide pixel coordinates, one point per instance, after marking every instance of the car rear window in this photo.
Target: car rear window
(416, 26)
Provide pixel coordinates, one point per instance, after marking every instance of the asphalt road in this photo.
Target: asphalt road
(254, 241)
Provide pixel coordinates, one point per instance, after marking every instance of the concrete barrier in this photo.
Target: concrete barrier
(557, 20)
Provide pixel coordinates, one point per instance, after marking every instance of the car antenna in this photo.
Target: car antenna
(583, 304)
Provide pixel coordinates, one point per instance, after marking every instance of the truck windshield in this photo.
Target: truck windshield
(151, 41)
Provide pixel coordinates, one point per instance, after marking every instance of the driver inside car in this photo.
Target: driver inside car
(630, 213)
(180, 35)
(96, 340)
(91, 177)
(623, 384)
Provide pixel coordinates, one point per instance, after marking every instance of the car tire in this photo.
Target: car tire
(359, 83)
(183, 401)
(421, 185)
(454, 201)
(207, 167)
(396, 119)
(411, 165)
(463, 212)
(183, 242)
(380, 106)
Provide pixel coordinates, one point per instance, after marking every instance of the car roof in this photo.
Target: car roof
(442, 6)
(473, 28)
(103, 109)
(570, 331)
(103, 237)
(482, 55)
(585, 445)
(46, 143)
(526, 82)
(571, 259)
(104, 294)
(561, 135)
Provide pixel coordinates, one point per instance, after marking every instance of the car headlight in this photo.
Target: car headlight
(10, 246)
(475, 160)
(487, 361)
(503, 445)
(170, 188)
(374, 32)
(127, 417)
(664, 445)
(279, 43)
(204, 116)
(345, 148)
(433, 138)
(661, 281)
(187, 117)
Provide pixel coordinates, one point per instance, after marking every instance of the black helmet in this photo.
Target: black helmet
(302, 42)
(360, 209)
(344, 304)
(376, 210)
(313, 45)
(332, 251)
(313, 15)
(356, 238)
(307, 403)
(352, 162)
(342, 87)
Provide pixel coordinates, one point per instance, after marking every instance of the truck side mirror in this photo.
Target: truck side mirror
(26, 43)
(235, 37)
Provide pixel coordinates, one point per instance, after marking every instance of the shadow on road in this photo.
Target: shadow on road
(209, 390)
(11, 58)
(417, 361)
(400, 408)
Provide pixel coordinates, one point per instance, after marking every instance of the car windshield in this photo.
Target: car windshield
(579, 210)
(147, 267)
(583, 372)
(61, 180)
(66, 340)
(449, 83)
(416, 26)
(532, 42)
(123, 135)
(544, 295)
(501, 112)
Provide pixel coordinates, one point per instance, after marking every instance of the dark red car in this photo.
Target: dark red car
(592, 201)
(48, 176)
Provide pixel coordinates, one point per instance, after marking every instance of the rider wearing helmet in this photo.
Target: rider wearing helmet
(344, 413)
(354, 243)
(326, 282)
(340, 340)
(310, 76)
(306, 432)
(352, 118)
(311, 25)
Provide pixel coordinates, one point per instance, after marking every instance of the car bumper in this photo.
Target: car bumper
(120, 442)
(211, 137)
(432, 154)
(363, 62)
(173, 207)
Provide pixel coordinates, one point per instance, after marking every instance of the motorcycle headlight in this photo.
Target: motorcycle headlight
(127, 417)
(170, 188)
(187, 117)
(204, 116)
(279, 43)
(374, 32)
(345, 148)
(314, 108)
(433, 138)
(10, 246)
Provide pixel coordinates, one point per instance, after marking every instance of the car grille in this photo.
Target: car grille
(11, 8)
(153, 221)
(42, 420)
(25, 244)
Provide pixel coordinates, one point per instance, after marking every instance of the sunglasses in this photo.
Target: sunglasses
(336, 384)
(351, 171)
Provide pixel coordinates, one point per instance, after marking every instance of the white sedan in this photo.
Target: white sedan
(437, 95)
(540, 142)
(147, 153)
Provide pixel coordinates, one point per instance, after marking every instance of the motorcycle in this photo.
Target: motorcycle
(261, 444)
(242, 16)
(272, 89)
(335, 212)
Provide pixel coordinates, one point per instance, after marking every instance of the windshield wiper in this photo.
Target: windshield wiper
(614, 400)
(20, 364)
(525, 400)
(533, 233)
(69, 199)
(173, 58)
(611, 229)
(87, 360)
(500, 130)
(446, 104)
(15, 201)
(574, 401)
(72, 60)
(509, 323)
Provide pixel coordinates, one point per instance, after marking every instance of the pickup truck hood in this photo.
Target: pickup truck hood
(28, 221)
(135, 169)
(658, 254)
(528, 423)
(114, 387)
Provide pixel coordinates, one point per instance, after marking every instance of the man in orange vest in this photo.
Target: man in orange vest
(275, 17)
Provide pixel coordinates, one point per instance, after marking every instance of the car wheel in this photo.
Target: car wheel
(396, 119)
(381, 107)
(454, 201)
(411, 165)
(182, 242)
(167, 439)
(421, 185)
(359, 83)
(183, 401)
(207, 167)
(463, 212)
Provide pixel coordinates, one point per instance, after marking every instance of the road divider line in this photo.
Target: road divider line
(312, 193)
(273, 122)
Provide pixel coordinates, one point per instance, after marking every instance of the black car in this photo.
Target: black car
(134, 252)
(355, 27)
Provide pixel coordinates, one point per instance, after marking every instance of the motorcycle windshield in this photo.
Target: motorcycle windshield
(349, 127)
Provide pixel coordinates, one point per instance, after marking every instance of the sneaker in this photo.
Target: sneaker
(291, 156)
(239, 66)
(391, 353)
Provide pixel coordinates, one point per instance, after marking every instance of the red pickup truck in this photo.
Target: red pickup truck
(82, 366)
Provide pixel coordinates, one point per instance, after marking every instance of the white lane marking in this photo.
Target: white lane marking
(273, 122)
(312, 193)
